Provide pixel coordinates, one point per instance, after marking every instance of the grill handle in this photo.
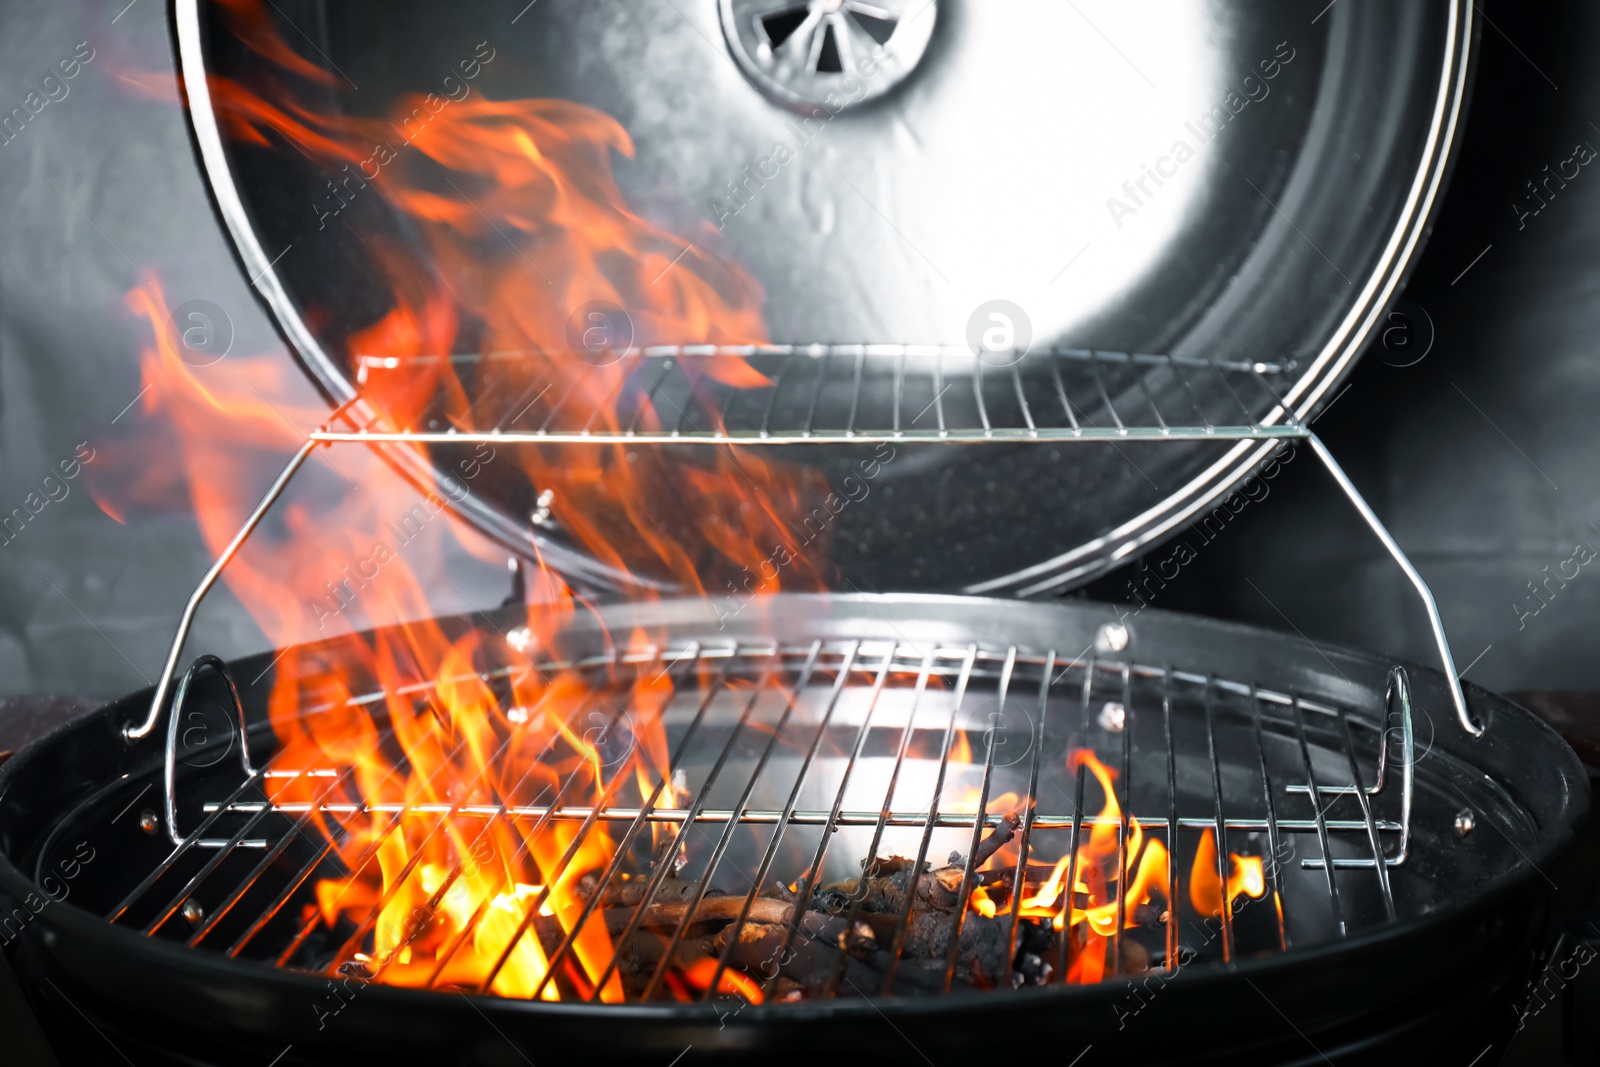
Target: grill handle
(175, 716)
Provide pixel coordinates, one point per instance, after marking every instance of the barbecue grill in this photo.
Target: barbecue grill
(841, 744)
(880, 824)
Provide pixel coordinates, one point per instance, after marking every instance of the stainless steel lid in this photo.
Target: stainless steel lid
(1242, 182)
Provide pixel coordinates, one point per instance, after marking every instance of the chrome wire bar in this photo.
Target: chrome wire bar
(369, 364)
(1275, 843)
(1219, 825)
(841, 679)
(833, 691)
(1074, 852)
(969, 866)
(1173, 943)
(1036, 741)
(770, 817)
(1327, 862)
(141, 730)
(134, 732)
(808, 880)
(659, 874)
(903, 920)
(614, 866)
(811, 397)
(1124, 860)
(1039, 372)
(720, 850)
(902, 747)
(1397, 700)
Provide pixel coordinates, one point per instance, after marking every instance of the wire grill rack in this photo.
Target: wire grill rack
(822, 759)
(842, 395)
(816, 394)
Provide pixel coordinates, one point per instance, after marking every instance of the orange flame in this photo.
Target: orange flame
(441, 886)
(1106, 887)
(520, 220)
(1246, 877)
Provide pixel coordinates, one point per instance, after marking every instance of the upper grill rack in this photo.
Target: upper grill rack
(1275, 769)
(816, 394)
(841, 395)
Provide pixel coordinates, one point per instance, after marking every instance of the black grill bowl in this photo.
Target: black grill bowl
(1434, 985)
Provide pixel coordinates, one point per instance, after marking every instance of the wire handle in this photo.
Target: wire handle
(1397, 697)
(179, 696)
(1463, 715)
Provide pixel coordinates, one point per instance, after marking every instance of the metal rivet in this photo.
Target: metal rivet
(192, 912)
(1465, 822)
(1113, 637)
(1113, 717)
(149, 822)
(541, 513)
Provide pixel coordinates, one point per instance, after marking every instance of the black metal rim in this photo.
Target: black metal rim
(1518, 750)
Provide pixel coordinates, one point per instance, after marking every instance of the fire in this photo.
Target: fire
(1098, 880)
(1246, 877)
(520, 221)
(1103, 888)
(457, 873)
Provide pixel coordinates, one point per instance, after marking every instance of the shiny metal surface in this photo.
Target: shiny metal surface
(1240, 181)
(831, 54)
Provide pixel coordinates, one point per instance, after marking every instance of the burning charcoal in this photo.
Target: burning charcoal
(997, 837)
(627, 892)
(638, 959)
(1035, 935)
(888, 880)
(859, 938)
(887, 892)
(880, 893)
(811, 955)
(669, 915)
(982, 954)
(844, 937)
(1135, 957)
(1030, 969)
(356, 968)
(1036, 943)
(788, 991)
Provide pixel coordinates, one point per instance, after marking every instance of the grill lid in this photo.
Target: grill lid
(1244, 184)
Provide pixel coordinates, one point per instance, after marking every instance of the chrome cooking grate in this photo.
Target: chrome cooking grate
(799, 764)
(857, 393)
(845, 395)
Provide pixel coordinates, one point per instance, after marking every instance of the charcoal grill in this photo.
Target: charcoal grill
(1417, 862)
(1401, 820)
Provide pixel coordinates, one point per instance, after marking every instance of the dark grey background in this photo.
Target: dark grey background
(1482, 458)
(102, 192)
(98, 186)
